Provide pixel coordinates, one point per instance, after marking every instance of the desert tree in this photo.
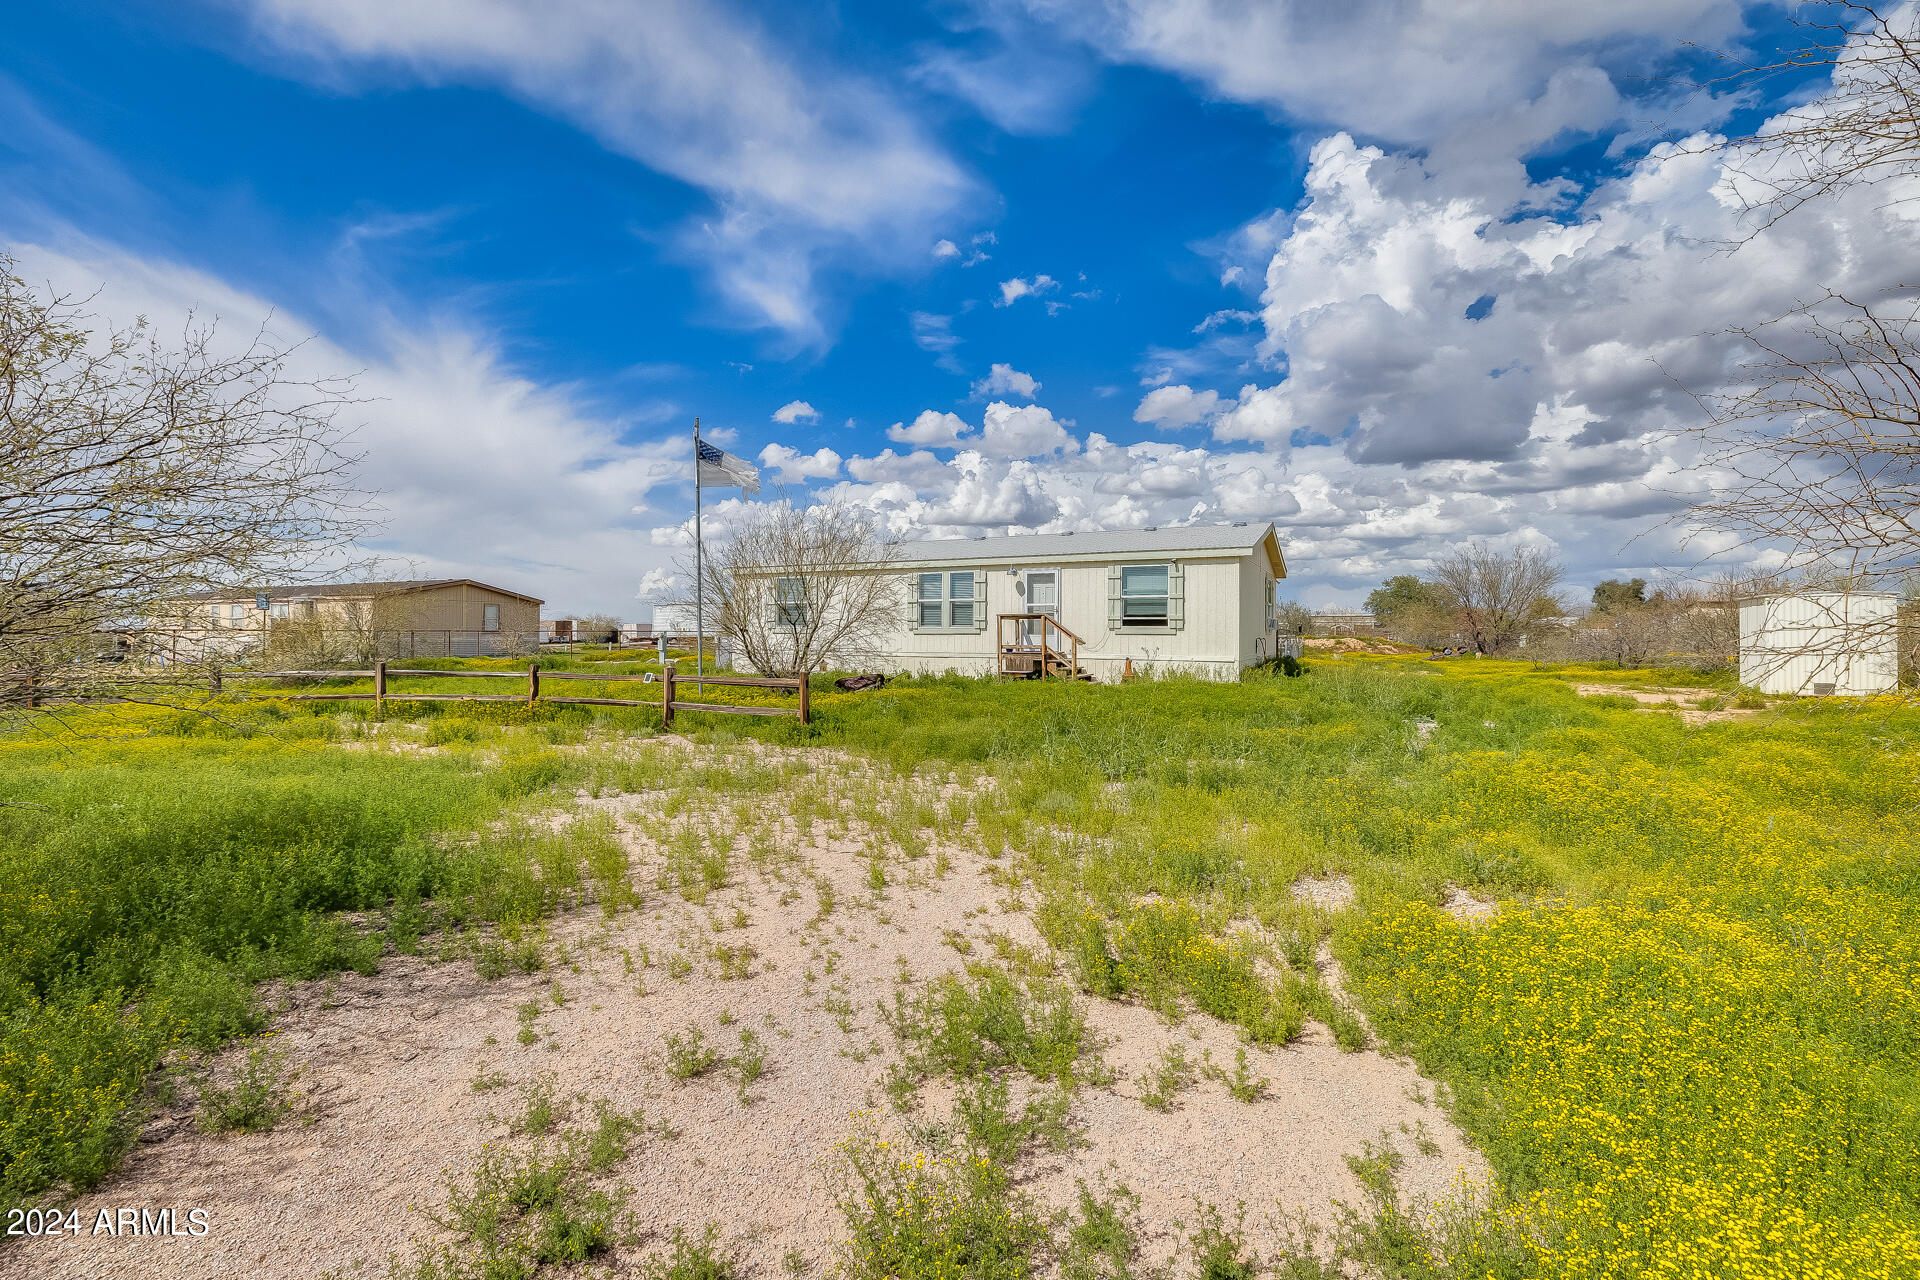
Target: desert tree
(1293, 618)
(135, 473)
(794, 588)
(1619, 593)
(1493, 593)
(596, 628)
(1679, 623)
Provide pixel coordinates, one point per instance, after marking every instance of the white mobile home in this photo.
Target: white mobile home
(1198, 598)
(1839, 643)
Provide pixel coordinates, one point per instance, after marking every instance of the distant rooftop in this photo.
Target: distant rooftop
(323, 590)
(1241, 536)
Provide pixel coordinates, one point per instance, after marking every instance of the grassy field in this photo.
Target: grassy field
(1687, 1042)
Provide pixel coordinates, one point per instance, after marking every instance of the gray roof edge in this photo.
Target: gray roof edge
(1235, 539)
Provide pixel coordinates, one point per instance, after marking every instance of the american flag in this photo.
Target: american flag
(719, 469)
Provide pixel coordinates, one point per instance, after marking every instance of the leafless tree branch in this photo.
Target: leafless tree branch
(134, 473)
(795, 588)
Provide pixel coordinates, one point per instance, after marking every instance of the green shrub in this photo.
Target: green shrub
(256, 1099)
(989, 1021)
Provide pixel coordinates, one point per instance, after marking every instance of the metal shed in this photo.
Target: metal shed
(1821, 643)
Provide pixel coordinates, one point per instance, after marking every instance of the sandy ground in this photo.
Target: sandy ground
(1357, 644)
(1686, 701)
(389, 1110)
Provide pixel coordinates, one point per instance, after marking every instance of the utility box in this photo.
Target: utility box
(1821, 643)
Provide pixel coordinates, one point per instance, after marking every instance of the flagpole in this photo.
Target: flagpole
(699, 574)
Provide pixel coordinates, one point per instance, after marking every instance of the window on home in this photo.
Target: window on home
(946, 599)
(235, 612)
(790, 602)
(213, 614)
(960, 599)
(490, 617)
(1143, 595)
(277, 610)
(932, 604)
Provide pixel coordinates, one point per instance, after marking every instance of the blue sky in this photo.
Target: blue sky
(1396, 276)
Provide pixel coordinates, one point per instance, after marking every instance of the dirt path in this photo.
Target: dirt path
(1685, 701)
(389, 1064)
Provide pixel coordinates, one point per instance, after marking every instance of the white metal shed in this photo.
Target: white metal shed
(1821, 643)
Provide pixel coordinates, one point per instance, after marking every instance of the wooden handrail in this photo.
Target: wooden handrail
(1049, 618)
(1048, 654)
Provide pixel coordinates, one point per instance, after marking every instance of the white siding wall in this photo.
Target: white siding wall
(1800, 644)
(1225, 613)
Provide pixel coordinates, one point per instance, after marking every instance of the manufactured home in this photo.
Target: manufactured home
(1197, 599)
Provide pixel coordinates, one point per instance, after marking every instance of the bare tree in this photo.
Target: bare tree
(1864, 128)
(1495, 592)
(1816, 448)
(1294, 618)
(796, 588)
(1678, 625)
(1820, 449)
(133, 474)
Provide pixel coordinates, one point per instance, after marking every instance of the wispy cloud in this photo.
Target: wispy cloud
(802, 161)
(1011, 291)
(935, 333)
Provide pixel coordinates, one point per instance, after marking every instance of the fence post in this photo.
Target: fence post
(666, 696)
(806, 711)
(533, 684)
(379, 686)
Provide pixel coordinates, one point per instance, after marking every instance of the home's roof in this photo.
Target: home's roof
(325, 590)
(1820, 595)
(1240, 538)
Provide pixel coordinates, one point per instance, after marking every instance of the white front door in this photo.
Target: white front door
(1043, 596)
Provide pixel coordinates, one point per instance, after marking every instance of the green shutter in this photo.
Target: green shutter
(1176, 596)
(1113, 597)
(979, 599)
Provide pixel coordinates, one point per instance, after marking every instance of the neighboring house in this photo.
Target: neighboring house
(678, 619)
(1333, 623)
(1198, 599)
(443, 617)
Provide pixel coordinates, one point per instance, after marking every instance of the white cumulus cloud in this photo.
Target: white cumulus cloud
(1023, 431)
(1176, 406)
(940, 430)
(1004, 379)
(790, 466)
(796, 411)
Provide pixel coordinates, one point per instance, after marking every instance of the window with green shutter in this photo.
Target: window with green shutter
(1146, 597)
(953, 600)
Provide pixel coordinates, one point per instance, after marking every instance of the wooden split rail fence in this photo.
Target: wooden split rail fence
(668, 702)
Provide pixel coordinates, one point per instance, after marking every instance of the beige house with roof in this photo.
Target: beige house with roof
(440, 617)
(1199, 599)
